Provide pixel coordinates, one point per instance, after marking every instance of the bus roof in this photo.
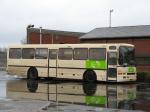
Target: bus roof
(68, 45)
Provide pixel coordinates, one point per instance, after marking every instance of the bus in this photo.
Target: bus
(87, 62)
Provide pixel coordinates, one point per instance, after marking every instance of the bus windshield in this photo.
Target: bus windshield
(126, 55)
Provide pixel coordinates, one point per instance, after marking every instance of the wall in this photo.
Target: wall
(34, 38)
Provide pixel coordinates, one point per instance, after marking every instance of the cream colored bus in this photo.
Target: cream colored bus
(90, 62)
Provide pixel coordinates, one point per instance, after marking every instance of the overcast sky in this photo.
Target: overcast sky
(68, 15)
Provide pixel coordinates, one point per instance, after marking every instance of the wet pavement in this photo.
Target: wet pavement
(21, 95)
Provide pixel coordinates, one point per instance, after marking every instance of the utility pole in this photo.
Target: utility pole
(111, 10)
(40, 35)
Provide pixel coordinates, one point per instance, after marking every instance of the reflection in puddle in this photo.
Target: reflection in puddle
(3, 91)
(115, 96)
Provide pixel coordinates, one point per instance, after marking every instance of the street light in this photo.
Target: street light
(111, 10)
(40, 35)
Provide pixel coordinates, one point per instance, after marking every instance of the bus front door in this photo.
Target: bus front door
(112, 66)
(52, 63)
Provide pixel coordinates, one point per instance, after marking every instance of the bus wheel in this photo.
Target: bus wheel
(89, 76)
(32, 85)
(33, 73)
(89, 88)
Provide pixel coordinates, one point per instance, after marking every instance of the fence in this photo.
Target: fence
(3, 59)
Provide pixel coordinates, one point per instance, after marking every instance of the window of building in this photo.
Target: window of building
(97, 53)
(80, 53)
(143, 61)
(28, 53)
(14, 53)
(53, 54)
(65, 54)
(41, 53)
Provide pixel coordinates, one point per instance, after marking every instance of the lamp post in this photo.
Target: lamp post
(111, 10)
(40, 35)
(28, 28)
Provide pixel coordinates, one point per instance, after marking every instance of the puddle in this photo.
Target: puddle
(5, 107)
(77, 96)
(114, 96)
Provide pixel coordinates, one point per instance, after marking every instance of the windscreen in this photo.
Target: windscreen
(126, 55)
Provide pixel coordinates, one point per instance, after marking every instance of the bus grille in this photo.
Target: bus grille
(130, 73)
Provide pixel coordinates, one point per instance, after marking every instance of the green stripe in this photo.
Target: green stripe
(96, 64)
(96, 100)
(131, 95)
(131, 70)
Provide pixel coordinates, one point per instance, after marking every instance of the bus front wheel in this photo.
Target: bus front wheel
(32, 73)
(89, 76)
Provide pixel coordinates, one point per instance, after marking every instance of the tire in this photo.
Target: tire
(32, 85)
(89, 89)
(32, 73)
(89, 76)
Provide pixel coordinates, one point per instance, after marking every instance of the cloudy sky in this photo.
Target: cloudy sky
(68, 15)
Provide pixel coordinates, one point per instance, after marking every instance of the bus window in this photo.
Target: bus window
(65, 54)
(80, 53)
(41, 53)
(97, 53)
(126, 55)
(112, 58)
(14, 53)
(28, 53)
(53, 54)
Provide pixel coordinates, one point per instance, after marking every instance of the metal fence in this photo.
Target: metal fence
(3, 59)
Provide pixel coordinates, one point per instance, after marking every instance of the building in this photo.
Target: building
(136, 35)
(44, 36)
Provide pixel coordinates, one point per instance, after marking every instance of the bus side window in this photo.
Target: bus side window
(80, 53)
(65, 54)
(53, 54)
(28, 53)
(41, 53)
(15, 53)
(97, 53)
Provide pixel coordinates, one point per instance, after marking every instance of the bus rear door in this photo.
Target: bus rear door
(52, 63)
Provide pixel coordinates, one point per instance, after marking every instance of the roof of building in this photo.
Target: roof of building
(57, 32)
(118, 32)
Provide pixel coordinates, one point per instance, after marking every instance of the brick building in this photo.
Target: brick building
(136, 35)
(52, 36)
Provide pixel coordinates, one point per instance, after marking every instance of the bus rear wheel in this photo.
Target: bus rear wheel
(33, 73)
(89, 76)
